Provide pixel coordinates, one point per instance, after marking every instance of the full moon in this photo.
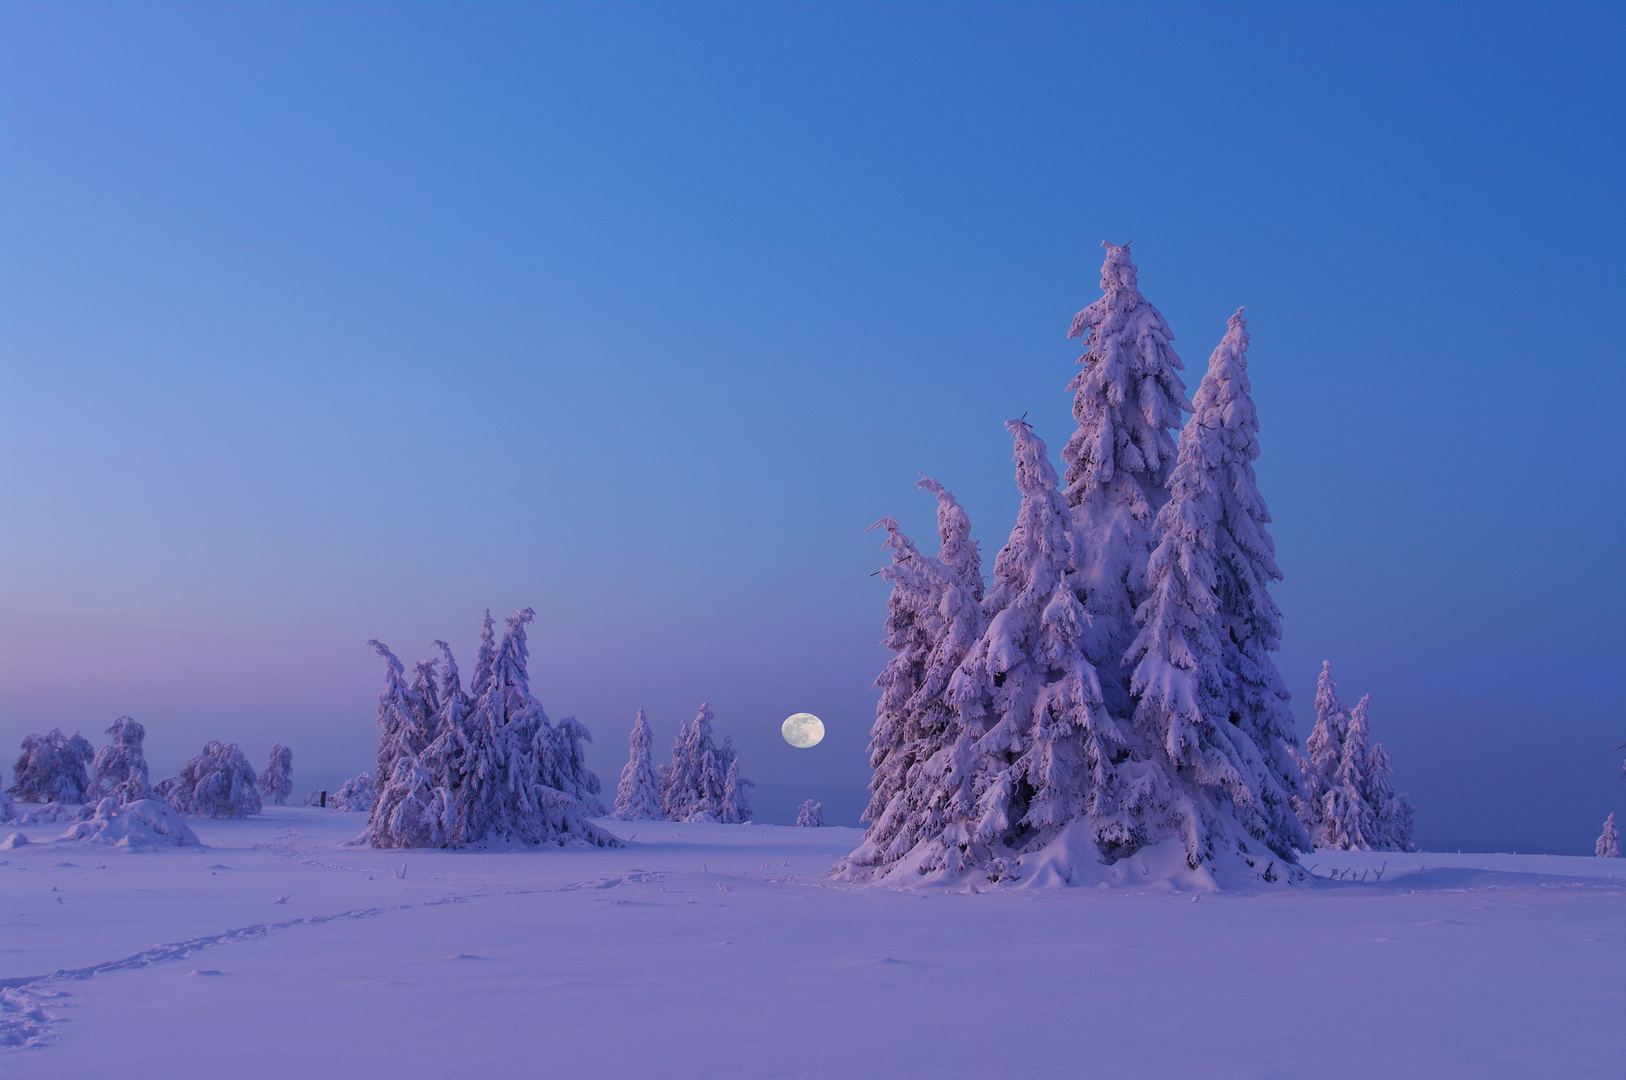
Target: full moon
(802, 730)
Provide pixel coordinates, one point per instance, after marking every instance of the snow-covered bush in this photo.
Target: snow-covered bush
(120, 768)
(695, 786)
(810, 815)
(134, 826)
(277, 780)
(357, 793)
(8, 810)
(638, 795)
(1608, 846)
(218, 783)
(52, 768)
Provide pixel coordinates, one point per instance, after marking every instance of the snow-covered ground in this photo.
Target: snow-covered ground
(725, 951)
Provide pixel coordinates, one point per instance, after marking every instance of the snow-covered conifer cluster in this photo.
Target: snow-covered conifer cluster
(218, 783)
(810, 815)
(120, 768)
(52, 768)
(1114, 687)
(478, 767)
(1348, 799)
(1608, 846)
(703, 782)
(277, 781)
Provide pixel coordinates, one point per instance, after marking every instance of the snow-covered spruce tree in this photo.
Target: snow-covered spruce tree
(1391, 813)
(120, 769)
(1608, 846)
(52, 768)
(638, 795)
(503, 795)
(1320, 767)
(1128, 402)
(736, 808)
(810, 815)
(1346, 816)
(692, 786)
(566, 765)
(400, 716)
(1221, 746)
(218, 783)
(1048, 748)
(277, 781)
(919, 747)
(676, 785)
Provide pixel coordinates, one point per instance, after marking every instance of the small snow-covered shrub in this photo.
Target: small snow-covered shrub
(50, 813)
(810, 815)
(135, 826)
(52, 768)
(277, 780)
(1608, 846)
(356, 794)
(218, 783)
(120, 768)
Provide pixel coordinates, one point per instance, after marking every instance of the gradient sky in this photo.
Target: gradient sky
(321, 323)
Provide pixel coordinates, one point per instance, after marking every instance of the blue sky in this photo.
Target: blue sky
(321, 323)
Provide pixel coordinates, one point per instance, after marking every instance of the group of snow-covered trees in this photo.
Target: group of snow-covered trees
(702, 782)
(480, 766)
(1114, 679)
(1348, 798)
(218, 783)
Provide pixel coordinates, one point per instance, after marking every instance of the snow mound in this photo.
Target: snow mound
(14, 841)
(49, 813)
(1073, 858)
(137, 826)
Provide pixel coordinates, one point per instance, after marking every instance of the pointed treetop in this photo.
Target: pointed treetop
(1034, 473)
(902, 548)
(1119, 280)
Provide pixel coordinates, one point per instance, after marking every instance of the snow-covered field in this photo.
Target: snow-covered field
(725, 951)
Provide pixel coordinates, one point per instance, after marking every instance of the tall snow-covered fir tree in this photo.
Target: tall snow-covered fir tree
(1391, 813)
(120, 768)
(1211, 707)
(922, 780)
(277, 781)
(736, 808)
(1128, 402)
(1047, 747)
(638, 795)
(1347, 817)
(1608, 845)
(52, 768)
(1319, 767)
